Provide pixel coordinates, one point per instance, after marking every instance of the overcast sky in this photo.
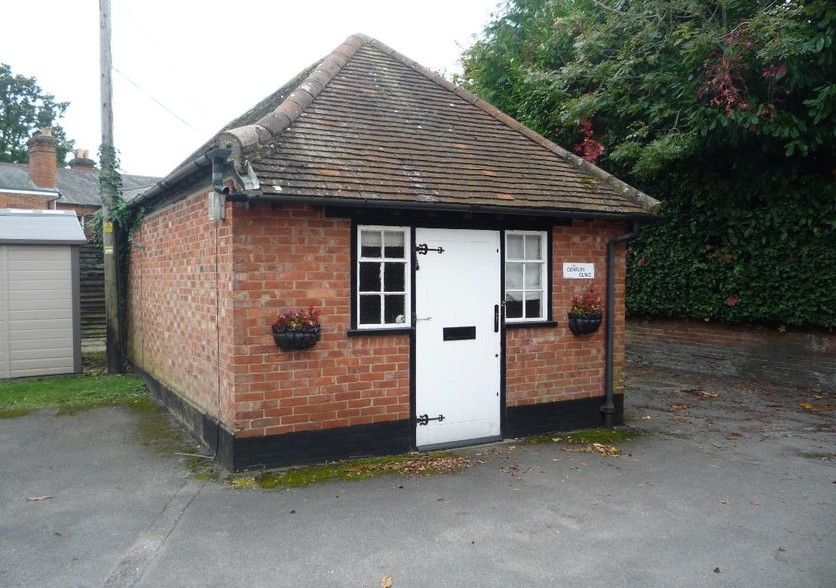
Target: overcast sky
(186, 68)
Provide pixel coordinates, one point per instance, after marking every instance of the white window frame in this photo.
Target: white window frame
(406, 260)
(544, 278)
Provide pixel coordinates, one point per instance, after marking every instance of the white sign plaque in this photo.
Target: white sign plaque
(579, 271)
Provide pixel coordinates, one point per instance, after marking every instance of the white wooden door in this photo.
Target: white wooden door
(457, 337)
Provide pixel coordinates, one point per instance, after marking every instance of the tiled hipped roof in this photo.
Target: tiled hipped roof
(369, 124)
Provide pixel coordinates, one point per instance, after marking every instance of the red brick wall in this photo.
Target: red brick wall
(292, 258)
(797, 357)
(269, 261)
(25, 201)
(80, 210)
(552, 364)
(180, 308)
(203, 294)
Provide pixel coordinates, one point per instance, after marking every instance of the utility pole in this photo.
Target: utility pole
(108, 188)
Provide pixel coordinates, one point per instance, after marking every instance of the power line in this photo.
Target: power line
(160, 104)
(161, 57)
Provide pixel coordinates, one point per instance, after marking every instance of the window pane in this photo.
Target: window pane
(525, 275)
(532, 247)
(513, 308)
(513, 276)
(514, 247)
(393, 277)
(370, 245)
(369, 276)
(370, 310)
(394, 308)
(393, 244)
(532, 275)
(533, 307)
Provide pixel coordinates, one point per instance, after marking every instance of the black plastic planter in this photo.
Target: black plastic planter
(585, 323)
(296, 339)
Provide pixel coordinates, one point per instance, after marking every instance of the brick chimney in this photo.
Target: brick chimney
(82, 161)
(42, 159)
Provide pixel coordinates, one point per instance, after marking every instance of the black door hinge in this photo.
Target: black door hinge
(424, 419)
(423, 249)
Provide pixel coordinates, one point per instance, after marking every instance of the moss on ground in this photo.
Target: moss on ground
(360, 469)
(584, 437)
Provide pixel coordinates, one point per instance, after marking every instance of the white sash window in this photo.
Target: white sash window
(525, 276)
(382, 277)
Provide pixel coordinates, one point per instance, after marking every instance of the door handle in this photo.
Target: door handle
(495, 318)
(424, 318)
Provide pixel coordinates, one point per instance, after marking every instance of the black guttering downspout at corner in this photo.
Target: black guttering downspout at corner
(196, 164)
(608, 407)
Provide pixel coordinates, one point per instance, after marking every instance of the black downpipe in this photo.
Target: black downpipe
(609, 408)
(219, 157)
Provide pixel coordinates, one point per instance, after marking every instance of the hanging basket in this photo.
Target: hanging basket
(296, 339)
(585, 323)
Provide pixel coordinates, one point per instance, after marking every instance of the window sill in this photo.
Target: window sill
(533, 324)
(373, 332)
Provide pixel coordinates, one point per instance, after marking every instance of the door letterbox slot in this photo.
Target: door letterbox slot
(459, 333)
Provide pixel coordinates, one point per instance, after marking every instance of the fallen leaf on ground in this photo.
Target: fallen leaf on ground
(734, 436)
(386, 582)
(646, 418)
(604, 450)
(703, 393)
(35, 498)
(810, 407)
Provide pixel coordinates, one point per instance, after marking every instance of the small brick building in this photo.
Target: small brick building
(437, 236)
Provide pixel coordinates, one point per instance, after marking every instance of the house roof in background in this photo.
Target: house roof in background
(38, 227)
(367, 123)
(74, 186)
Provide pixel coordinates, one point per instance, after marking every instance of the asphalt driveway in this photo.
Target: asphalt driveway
(733, 484)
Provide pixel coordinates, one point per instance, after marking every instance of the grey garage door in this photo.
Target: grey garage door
(39, 294)
(38, 310)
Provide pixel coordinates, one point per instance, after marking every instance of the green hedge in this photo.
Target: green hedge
(763, 254)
